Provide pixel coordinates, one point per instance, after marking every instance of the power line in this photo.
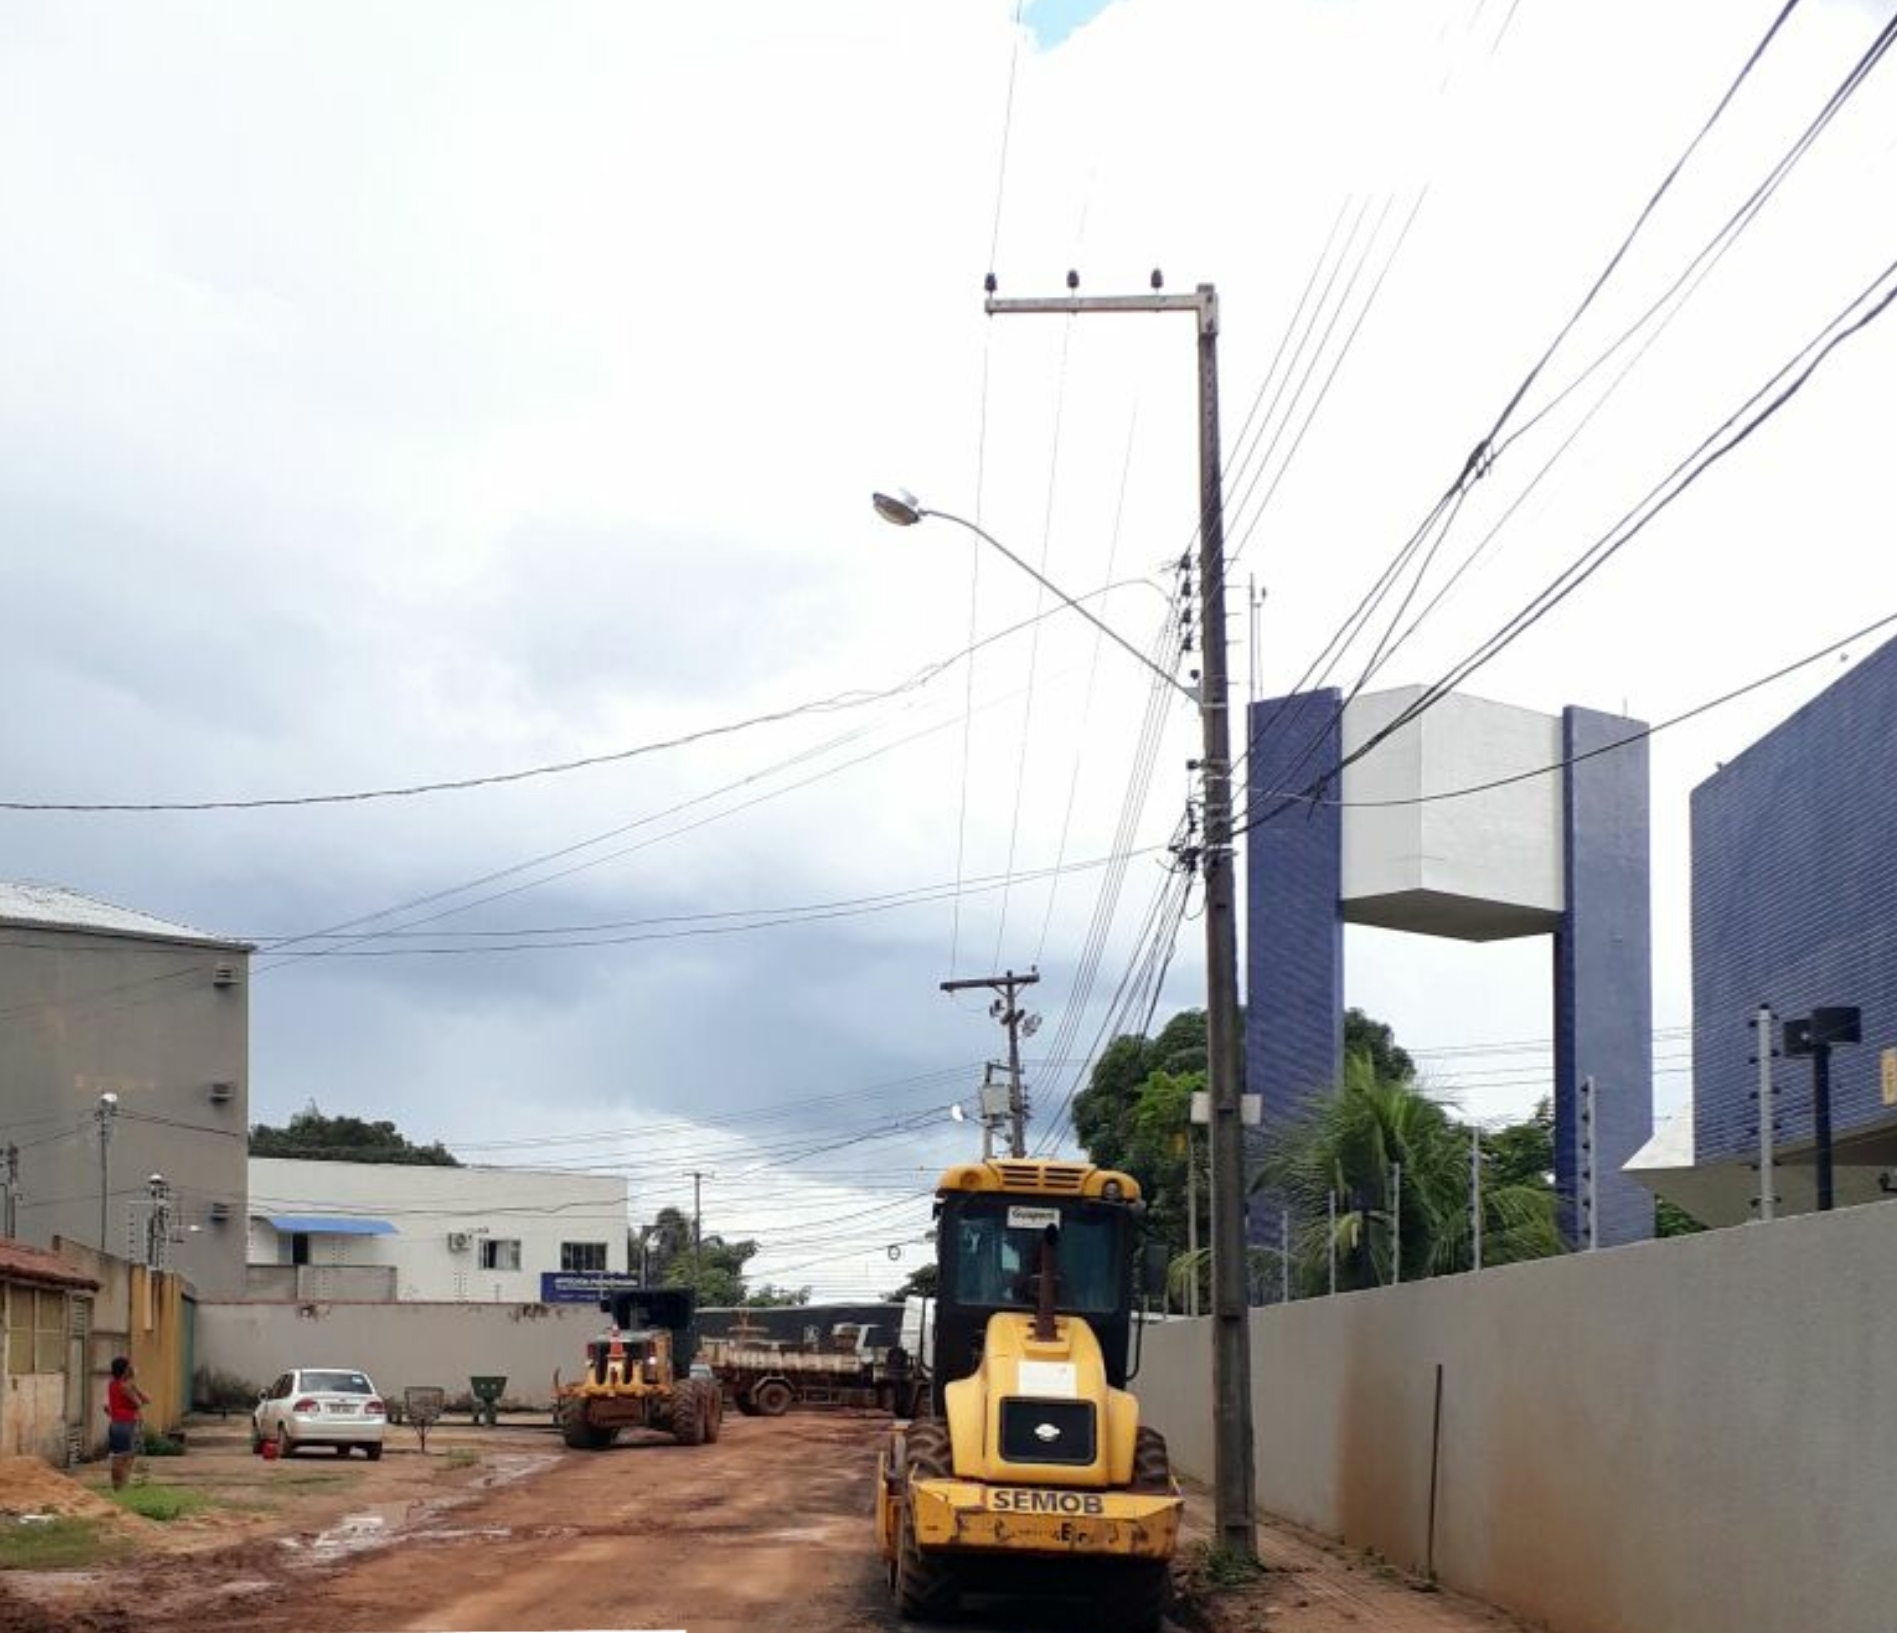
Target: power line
(1640, 736)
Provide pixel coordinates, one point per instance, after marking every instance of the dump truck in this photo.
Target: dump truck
(1032, 1472)
(854, 1367)
(638, 1375)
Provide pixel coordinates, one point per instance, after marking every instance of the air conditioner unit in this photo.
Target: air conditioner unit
(223, 1093)
(224, 975)
(459, 1241)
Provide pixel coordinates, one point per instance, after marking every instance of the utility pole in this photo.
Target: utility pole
(1762, 1041)
(108, 1109)
(1192, 1220)
(1017, 1020)
(1231, 1348)
(699, 1176)
(1475, 1195)
(9, 1221)
(158, 1226)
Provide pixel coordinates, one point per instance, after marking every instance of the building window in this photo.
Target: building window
(500, 1253)
(583, 1256)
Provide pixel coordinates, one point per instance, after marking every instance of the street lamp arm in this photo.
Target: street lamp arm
(901, 511)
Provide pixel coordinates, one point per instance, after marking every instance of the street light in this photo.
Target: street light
(903, 509)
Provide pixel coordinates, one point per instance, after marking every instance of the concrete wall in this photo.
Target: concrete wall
(1697, 1435)
(403, 1344)
(146, 1020)
(433, 1210)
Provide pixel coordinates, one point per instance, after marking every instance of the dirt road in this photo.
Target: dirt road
(767, 1530)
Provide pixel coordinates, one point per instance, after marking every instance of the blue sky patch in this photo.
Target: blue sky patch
(1051, 21)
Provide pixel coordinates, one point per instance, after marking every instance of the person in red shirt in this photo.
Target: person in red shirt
(124, 1401)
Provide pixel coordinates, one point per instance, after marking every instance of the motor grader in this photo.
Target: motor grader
(1033, 1474)
(638, 1375)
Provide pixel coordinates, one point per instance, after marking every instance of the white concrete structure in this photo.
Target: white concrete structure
(367, 1230)
(1727, 1193)
(1478, 868)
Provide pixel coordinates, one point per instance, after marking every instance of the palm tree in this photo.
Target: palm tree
(1348, 1150)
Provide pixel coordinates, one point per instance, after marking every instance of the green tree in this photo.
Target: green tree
(919, 1283)
(312, 1136)
(1349, 1146)
(1367, 1036)
(714, 1269)
(1522, 1153)
(1670, 1219)
(770, 1296)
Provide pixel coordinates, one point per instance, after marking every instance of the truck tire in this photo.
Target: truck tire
(713, 1397)
(1152, 1464)
(772, 1397)
(926, 1588)
(688, 1422)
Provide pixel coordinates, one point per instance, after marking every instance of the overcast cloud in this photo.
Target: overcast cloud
(403, 393)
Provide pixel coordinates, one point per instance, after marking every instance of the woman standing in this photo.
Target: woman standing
(124, 1401)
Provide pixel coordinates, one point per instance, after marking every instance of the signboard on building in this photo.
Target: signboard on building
(581, 1286)
(1890, 1077)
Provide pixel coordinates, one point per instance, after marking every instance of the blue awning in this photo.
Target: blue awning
(298, 1224)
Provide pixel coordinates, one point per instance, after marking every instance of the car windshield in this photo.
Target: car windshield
(338, 1383)
(997, 1252)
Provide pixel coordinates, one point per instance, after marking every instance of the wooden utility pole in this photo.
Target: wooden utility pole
(1232, 1486)
(1012, 1016)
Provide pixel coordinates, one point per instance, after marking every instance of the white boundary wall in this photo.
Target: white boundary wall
(1687, 1436)
(403, 1344)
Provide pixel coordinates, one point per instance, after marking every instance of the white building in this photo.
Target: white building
(394, 1231)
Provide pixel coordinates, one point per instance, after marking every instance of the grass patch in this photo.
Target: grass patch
(460, 1457)
(164, 1503)
(61, 1544)
(1217, 1570)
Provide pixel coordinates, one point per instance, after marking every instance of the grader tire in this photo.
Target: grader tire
(714, 1400)
(583, 1436)
(773, 1397)
(688, 1414)
(926, 1588)
(1152, 1464)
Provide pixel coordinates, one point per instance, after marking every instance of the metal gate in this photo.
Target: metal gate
(78, 1376)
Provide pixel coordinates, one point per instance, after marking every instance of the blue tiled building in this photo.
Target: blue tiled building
(1795, 906)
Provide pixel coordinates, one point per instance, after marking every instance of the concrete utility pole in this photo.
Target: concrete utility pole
(699, 1176)
(108, 1109)
(1231, 1348)
(1762, 1041)
(1475, 1195)
(10, 1164)
(158, 1226)
(1011, 1015)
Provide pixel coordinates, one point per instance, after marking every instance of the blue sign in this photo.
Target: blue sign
(582, 1286)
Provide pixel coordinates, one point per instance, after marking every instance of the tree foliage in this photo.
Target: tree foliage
(770, 1296)
(312, 1136)
(1349, 1148)
(921, 1282)
(715, 1270)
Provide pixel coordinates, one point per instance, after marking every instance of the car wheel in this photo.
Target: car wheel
(286, 1447)
(373, 1452)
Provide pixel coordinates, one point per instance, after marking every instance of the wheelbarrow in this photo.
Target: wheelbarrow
(487, 1399)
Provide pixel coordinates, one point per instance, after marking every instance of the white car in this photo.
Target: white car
(320, 1406)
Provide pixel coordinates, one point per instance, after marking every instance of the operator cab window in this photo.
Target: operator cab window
(998, 1256)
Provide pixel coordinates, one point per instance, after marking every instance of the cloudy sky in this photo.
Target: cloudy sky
(398, 394)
